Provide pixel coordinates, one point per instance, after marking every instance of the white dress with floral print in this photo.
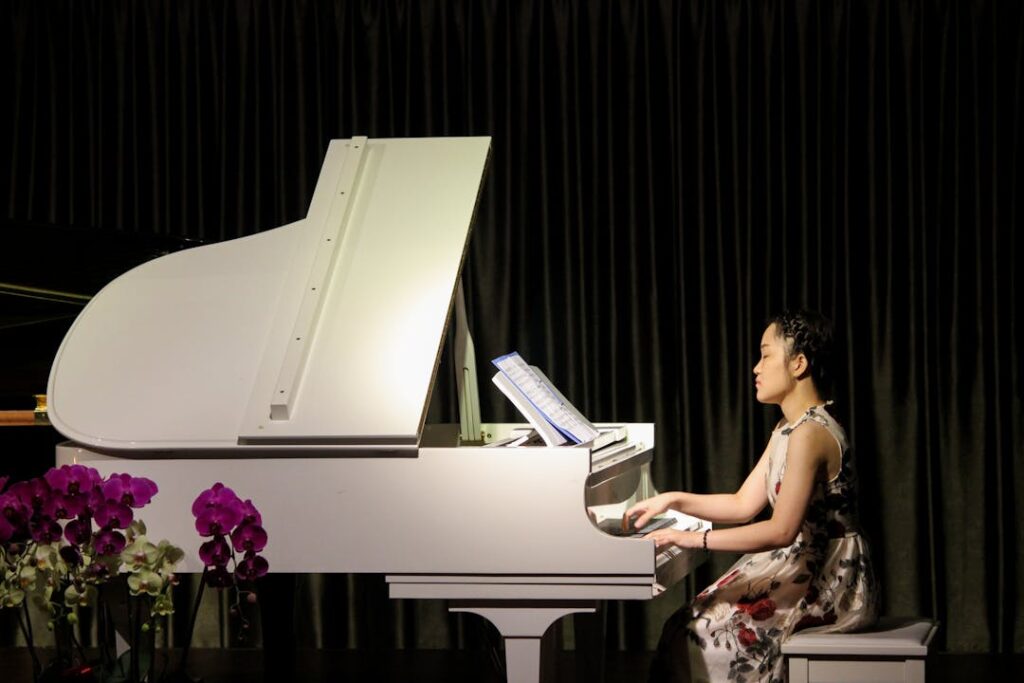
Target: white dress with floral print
(733, 630)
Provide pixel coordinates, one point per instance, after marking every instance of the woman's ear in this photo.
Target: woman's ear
(799, 366)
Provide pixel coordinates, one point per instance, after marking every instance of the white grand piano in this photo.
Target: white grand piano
(296, 366)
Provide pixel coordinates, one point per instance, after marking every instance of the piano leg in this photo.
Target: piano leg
(522, 625)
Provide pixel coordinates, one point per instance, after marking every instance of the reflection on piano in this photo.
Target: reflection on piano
(297, 365)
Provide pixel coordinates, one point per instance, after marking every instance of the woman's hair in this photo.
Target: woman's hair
(811, 335)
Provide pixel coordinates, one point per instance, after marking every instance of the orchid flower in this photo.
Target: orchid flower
(145, 581)
(109, 542)
(111, 515)
(78, 531)
(128, 490)
(139, 554)
(70, 480)
(219, 520)
(215, 552)
(249, 538)
(252, 567)
(44, 530)
(216, 496)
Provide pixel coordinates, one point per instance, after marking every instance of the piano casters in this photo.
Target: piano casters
(522, 625)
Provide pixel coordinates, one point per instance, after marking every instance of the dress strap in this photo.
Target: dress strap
(810, 414)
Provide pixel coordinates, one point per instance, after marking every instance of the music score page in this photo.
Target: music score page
(543, 396)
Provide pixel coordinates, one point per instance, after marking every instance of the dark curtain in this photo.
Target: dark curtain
(664, 176)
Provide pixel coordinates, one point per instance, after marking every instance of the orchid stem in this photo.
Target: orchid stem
(133, 646)
(37, 668)
(192, 621)
(102, 627)
(137, 645)
(152, 634)
(77, 644)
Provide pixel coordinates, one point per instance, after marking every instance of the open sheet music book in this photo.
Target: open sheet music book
(554, 418)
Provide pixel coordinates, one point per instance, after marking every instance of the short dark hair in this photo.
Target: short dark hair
(811, 335)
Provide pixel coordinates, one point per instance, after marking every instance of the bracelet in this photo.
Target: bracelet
(706, 540)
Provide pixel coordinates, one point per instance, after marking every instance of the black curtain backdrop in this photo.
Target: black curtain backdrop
(664, 176)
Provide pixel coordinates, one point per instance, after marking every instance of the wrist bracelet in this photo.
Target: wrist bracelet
(706, 540)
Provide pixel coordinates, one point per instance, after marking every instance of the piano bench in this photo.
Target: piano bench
(893, 650)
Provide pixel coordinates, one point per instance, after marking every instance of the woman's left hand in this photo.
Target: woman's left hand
(683, 539)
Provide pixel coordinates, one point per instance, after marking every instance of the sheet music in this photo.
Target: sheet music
(551, 436)
(543, 396)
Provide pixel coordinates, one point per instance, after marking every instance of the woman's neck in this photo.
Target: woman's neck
(799, 401)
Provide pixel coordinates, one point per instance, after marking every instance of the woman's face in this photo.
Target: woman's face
(773, 375)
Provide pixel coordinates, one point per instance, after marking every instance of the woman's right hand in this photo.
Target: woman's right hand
(646, 510)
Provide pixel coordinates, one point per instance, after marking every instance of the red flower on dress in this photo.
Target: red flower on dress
(763, 609)
(778, 485)
(760, 607)
(747, 637)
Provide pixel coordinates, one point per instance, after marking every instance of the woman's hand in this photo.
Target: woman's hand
(646, 510)
(684, 539)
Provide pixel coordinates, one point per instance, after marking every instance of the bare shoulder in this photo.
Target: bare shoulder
(810, 442)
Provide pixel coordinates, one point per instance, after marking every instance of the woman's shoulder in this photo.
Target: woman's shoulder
(819, 421)
(810, 433)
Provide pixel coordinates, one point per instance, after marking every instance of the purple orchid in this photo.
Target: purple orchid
(251, 568)
(71, 480)
(128, 490)
(219, 520)
(44, 530)
(71, 555)
(99, 571)
(33, 493)
(215, 552)
(62, 506)
(110, 515)
(217, 495)
(249, 538)
(109, 542)
(219, 512)
(13, 516)
(7, 530)
(219, 577)
(250, 514)
(78, 531)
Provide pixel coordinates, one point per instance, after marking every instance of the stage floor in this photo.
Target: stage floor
(441, 666)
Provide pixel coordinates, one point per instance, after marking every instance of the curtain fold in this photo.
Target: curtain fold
(664, 176)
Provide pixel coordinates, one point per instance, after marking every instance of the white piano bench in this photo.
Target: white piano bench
(894, 650)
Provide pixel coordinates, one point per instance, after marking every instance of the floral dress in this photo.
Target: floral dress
(733, 631)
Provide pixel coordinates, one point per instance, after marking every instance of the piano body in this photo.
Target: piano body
(296, 366)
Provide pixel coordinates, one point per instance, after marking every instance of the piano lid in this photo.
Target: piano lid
(49, 273)
(324, 332)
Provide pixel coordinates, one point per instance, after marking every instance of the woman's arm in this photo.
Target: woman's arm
(806, 460)
(718, 508)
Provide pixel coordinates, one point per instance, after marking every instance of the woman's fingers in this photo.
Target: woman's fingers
(662, 538)
(642, 515)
